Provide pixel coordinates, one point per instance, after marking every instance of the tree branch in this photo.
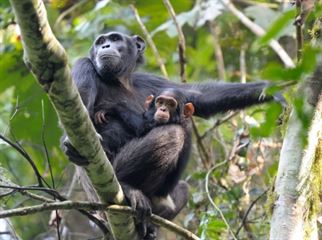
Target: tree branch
(23, 153)
(124, 210)
(182, 41)
(220, 121)
(212, 202)
(258, 31)
(248, 211)
(56, 195)
(47, 60)
(299, 178)
(150, 41)
(219, 57)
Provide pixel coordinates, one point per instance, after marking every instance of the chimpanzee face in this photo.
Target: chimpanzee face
(116, 54)
(165, 108)
(168, 107)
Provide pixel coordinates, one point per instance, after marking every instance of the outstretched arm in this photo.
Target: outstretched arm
(211, 98)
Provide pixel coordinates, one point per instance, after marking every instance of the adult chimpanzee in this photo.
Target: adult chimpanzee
(107, 77)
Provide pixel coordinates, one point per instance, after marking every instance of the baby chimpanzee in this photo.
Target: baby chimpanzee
(168, 107)
(155, 179)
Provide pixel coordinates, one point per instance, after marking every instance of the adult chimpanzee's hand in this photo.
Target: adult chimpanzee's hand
(73, 155)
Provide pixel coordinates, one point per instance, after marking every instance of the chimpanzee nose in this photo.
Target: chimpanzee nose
(106, 46)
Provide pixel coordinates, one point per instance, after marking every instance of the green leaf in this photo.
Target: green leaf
(271, 116)
(309, 59)
(262, 16)
(276, 28)
(276, 72)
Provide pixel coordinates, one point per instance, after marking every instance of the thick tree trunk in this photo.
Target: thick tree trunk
(299, 178)
(298, 182)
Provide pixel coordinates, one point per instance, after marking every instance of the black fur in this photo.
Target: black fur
(149, 166)
(141, 123)
(163, 175)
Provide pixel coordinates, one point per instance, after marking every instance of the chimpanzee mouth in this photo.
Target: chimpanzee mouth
(162, 118)
(108, 56)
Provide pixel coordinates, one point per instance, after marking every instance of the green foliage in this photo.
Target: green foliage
(275, 30)
(277, 72)
(235, 184)
(211, 227)
(268, 126)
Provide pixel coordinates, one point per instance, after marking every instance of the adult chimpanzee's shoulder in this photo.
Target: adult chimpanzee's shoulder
(83, 64)
(144, 77)
(83, 71)
(150, 82)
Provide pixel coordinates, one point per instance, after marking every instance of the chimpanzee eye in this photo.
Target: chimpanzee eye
(115, 37)
(172, 104)
(100, 40)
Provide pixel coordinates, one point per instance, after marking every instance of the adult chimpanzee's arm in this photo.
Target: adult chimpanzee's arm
(208, 98)
(211, 98)
(132, 119)
(86, 78)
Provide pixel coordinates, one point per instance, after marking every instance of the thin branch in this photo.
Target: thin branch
(173, 227)
(44, 144)
(68, 11)
(212, 202)
(259, 31)
(242, 61)
(55, 194)
(219, 122)
(90, 206)
(48, 162)
(36, 196)
(243, 74)
(254, 2)
(26, 156)
(7, 193)
(182, 41)
(248, 211)
(49, 191)
(159, 221)
(299, 30)
(201, 148)
(148, 37)
(218, 51)
(52, 206)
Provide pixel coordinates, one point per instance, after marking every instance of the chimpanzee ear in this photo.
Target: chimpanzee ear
(188, 110)
(148, 101)
(140, 43)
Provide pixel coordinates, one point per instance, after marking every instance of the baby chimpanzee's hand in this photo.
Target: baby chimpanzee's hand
(100, 117)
